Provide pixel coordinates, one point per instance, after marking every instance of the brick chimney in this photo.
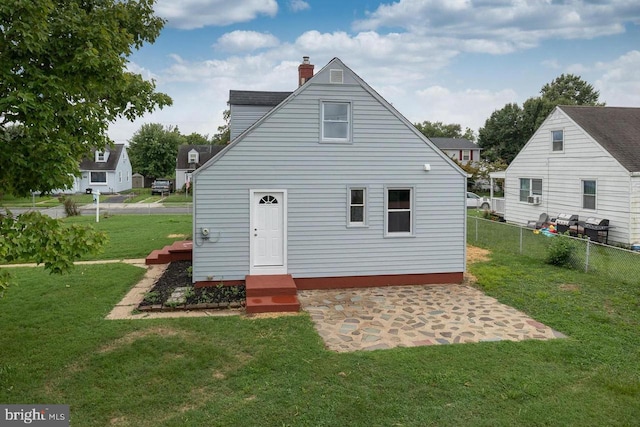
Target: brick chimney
(305, 71)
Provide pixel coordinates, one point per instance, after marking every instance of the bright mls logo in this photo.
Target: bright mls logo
(36, 415)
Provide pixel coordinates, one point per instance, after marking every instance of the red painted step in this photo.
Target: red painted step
(270, 285)
(273, 304)
(271, 294)
(177, 251)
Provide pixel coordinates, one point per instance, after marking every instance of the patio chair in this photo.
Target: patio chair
(538, 224)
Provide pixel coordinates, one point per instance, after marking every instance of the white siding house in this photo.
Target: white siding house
(460, 149)
(583, 161)
(108, 171)
(190, 158)
(332, 183)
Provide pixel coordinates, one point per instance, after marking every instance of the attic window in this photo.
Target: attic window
(100, 157)
(193, 157)
(336, 76)
(336, 121)
(557, 140)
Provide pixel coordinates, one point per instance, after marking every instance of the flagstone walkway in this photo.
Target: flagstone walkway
(409, 316)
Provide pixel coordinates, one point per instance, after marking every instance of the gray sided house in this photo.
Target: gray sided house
(460, 149)
(108, 171)
(190, 158)
(583, 161)
(334, 187)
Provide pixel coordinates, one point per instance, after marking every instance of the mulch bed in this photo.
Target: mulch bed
(177, 275)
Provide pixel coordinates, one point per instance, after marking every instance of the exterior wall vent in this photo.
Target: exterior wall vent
(336, 76)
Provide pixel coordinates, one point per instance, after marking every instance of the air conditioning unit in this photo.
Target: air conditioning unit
(534, 200)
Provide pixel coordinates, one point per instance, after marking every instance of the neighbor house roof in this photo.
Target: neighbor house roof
(206, 152)
(89, 163)
(454, 144)
(250, 97)
(616, 129)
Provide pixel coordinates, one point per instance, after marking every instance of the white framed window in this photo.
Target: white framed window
(336, 121)
(557, 140)
(399, 211)
(466, 155)
(98, 178)
(193, 157)
(357, 203)
(128, 176)
(589, 193)
(119, 176)
(100, 157)
(530, 187)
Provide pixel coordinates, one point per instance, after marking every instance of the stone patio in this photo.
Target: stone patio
(408, 316)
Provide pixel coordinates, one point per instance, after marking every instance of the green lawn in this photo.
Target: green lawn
(135, 236)
(178, 198)
(42, 202)
(57, 348)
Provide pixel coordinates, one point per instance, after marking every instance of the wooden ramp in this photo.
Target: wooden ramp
(271, 294)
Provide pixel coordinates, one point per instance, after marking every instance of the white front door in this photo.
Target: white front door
(268, 242)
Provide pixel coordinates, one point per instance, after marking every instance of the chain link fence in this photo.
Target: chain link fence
(609, 261)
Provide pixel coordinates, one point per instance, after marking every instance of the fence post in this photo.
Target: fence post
(520, 240)
(586, 261)
(476, 229)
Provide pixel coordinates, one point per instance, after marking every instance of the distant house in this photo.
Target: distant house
(108, 171)
(583, 161)
(460, 149)
(331, 186)
(190, 158)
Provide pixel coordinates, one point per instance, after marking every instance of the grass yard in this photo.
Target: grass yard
(42, 202)
(178, 198)
(135, 236)
(57, 348)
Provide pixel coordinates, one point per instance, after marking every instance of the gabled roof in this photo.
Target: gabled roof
(206, 153)
(291, 95)
(89, 163)
(454, 144)
(252, 97)
(616, 129)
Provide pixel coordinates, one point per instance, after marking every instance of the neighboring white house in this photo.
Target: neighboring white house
(108, 171)
(332, 185)
(190, 158)
(582, 160)
(460, 149)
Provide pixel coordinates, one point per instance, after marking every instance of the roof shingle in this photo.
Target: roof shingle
(251, 97)
(616, 129)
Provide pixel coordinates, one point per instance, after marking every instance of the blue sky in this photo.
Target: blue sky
(454, 61)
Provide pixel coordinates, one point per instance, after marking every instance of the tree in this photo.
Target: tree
(153, 150)
(441, 130)
(224, 132)
(501, 136)
(507, 130)
(195, 138)
(63, 79)
(569, 89)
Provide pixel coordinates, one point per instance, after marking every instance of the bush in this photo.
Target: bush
(560, 251)
(70, 207)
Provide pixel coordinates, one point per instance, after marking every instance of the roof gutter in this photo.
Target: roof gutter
(635, 174)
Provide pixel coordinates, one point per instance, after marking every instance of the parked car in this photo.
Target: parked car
(475, 201)
(161, 186)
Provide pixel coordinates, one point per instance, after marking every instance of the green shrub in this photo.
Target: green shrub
(70, 207)
(560, 251)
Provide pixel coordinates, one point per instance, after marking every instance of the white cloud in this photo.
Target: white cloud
(298, 5)
(190, 14)
(468, 107)
(503, 26)
(620, 84)
(146, 74)
(245, 41)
